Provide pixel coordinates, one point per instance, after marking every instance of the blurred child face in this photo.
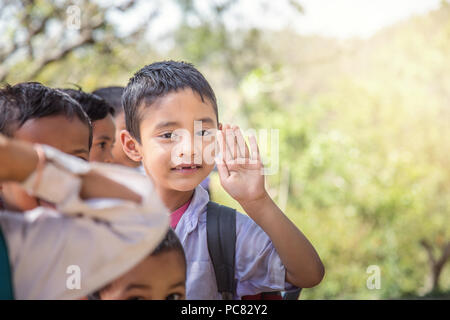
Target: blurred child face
(178, 154)
(119, 156)
(68, 135)
(103, 140)
(158, 277)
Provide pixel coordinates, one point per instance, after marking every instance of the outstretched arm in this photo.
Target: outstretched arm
(19, 159)
(241, 175)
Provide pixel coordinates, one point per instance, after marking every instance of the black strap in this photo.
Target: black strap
(6, 291)
(221, 237)
(292, 295)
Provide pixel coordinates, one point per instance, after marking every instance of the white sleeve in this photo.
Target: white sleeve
(104, 238)
(258, 266)
(60, 184)
(44, 245)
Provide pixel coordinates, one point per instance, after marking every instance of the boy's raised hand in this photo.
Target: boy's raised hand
(240, 169)
(241, 175)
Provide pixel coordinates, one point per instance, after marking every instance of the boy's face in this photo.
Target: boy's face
(158, 277)
(68, 135)
(103, 140)
(177, 153)
(119, 156)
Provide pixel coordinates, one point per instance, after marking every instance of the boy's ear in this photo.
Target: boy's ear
(130, 146)
(220, 126)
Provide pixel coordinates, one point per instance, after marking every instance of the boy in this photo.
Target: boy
(160, 276)
(102, 238)
(163, 104)
(113, 96)
(37, 114)
(103, 128)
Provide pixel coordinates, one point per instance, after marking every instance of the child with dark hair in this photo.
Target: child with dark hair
(32, 112)
(101, 115)
(29, 105)
(99, 219)
(172, 123)
(113, 96)
(160, 276)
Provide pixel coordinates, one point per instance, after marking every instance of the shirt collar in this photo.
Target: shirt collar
(196, 208)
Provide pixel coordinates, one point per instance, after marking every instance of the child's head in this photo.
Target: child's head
(164, 103)
(101, 115)
(38, 114)
(113, 96)
(32, 112)
(160, 276)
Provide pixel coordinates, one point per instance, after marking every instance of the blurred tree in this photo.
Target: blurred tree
(38, 33)
(205, 37)
(363, 124)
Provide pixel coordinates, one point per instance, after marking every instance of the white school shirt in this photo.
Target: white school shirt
(101, 238)
(258, 265)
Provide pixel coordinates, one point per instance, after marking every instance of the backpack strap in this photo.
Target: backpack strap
(6, 291)
(221, 237)
(292, 295)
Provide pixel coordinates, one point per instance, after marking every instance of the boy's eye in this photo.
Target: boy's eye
(102, 145)
(135, 298)
(204, 133)
(166, 135)
(174, 296)
(170, 136)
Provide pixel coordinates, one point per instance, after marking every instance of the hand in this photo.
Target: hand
(240, 171)
(18, 159)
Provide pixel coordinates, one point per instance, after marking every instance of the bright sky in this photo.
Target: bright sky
(339, 18)
(334, 18)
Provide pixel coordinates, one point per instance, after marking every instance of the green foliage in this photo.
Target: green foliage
(364, 133)
(368, 154)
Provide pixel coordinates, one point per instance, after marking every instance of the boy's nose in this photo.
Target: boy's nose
(190, 153)
(109, 157)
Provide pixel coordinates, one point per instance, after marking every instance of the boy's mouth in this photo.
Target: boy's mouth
(186, 168)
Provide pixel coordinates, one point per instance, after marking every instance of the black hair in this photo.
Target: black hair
(10, 112)
(95, 107)
(169, 243)
(155, 81)
(32, 100)
(113, 96)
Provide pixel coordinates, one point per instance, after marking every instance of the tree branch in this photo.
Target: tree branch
(86, 38)
(429, 251)
(32, 26)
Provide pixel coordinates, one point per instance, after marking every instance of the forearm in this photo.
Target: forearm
(78, 177)
(303, 266)
(17, 160)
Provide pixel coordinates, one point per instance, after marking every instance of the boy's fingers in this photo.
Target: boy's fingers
(230, 144)
(221, 148)
(254, 148)
(222, 168)
(242, 146)
(219, 159)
